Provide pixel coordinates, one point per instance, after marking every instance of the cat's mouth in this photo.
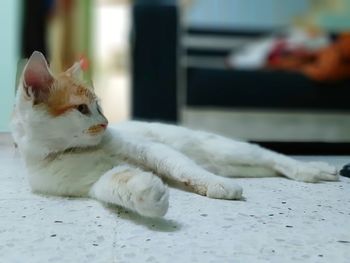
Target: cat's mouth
(96, 129)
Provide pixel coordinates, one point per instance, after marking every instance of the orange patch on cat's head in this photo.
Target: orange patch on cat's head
(66, 94)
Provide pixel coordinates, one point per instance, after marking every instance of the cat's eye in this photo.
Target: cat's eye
(83, 109)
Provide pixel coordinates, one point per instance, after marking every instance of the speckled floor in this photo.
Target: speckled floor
(280, 221)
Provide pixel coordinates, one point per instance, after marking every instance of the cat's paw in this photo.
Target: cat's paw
(312, 172)
(224, 189)
(325, 168)
(326, 172)
(149, 195)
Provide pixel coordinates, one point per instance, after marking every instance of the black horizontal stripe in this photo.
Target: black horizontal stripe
(227, 32)
(308, 148)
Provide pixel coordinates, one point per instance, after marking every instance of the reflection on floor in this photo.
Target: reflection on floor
(280, 221)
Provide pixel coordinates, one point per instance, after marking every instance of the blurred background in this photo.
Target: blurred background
(274, 72)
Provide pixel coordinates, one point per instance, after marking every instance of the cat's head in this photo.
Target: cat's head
(56, 112)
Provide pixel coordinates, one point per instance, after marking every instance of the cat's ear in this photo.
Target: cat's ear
(37, 77)
(76, 71)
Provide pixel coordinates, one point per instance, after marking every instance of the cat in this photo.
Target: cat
(69, 150)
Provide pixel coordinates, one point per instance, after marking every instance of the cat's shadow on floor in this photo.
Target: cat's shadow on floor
(155, 224)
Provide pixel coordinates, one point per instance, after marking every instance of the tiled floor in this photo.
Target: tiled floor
(280, 221)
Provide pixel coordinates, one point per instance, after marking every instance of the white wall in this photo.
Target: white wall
(10, 15)
(264, 14)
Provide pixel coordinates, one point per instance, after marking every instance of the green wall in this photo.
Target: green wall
(10, 15)
(336, 20)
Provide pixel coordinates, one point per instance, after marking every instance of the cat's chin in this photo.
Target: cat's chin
(85, 144)
(94, 140)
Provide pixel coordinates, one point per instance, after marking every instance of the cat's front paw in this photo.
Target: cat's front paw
(150, 195)
(224, 189)
(312, 172)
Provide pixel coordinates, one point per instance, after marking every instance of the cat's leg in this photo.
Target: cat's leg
(239, 171)
(175, 166)
(240, 159)
(225, 154)
(284, 165)
(232, 158)
(134, 189)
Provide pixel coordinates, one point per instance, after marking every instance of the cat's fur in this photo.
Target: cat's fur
(69, 151)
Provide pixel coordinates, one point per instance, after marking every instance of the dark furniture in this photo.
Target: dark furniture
(263, 89)
(154, 45)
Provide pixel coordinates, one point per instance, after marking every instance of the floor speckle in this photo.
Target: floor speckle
(279, 221)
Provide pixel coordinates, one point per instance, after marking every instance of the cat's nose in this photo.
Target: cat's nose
(104, 125)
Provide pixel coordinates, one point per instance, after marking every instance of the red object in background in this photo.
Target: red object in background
(276, 52)
(329, 64)
(285, 57)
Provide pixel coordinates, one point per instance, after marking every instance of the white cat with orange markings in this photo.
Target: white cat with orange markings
(63, 138)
